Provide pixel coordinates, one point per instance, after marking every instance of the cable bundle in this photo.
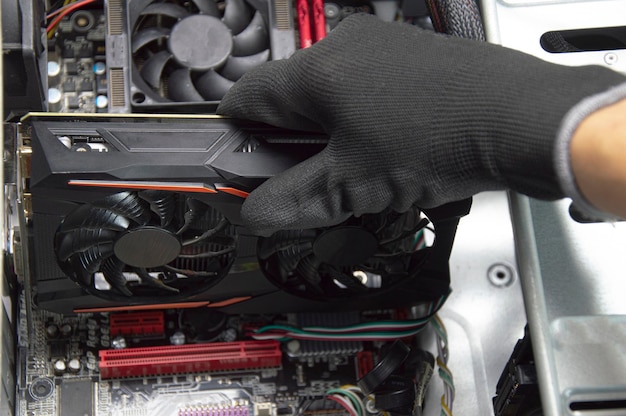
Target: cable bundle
(369, 331)
(445, 374)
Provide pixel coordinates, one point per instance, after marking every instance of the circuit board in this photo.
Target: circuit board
(77, 71)
(131, 364)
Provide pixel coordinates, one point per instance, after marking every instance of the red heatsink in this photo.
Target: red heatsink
(193, 358)
(137, 323)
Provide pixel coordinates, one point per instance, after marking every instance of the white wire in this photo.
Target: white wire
(442, 351)
(346, 401)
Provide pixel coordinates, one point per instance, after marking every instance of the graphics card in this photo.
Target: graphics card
(132, 211)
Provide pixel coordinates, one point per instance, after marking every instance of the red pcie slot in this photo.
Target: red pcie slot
(137, 323)
(194, 358)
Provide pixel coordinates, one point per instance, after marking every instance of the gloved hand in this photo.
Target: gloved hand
(413, 118)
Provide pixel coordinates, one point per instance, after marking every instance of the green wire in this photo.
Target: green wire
(447, 379)
(419, 321)
(357, 335)
(281, 327)
(355, 401)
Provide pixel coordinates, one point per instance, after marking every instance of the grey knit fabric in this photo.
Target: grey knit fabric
(414, 118)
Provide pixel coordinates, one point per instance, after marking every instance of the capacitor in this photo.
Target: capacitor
(66, 330)
(54, 70)
(52, 331)
(54, 100)
(102, 102)
(99, 68)
(74, 365)
(82, 21)
(332, 12)
(59, 367)
(293, 346)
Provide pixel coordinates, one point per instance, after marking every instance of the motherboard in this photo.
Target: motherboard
(193, 362)
(114, 154)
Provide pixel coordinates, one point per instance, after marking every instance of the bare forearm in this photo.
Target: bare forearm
(598, 158)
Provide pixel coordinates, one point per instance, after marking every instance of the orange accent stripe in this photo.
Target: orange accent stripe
(182, 305)
(199, 188)
(229, 302)
(233, 191)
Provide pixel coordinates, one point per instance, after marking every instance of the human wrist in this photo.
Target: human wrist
(583, 144)
(598, 152)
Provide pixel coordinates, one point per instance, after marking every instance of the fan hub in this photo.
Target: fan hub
(345, 246)
(200, 42)
(147, 247)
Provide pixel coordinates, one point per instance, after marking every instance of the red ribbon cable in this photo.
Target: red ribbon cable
(304, 23)
(319, 20)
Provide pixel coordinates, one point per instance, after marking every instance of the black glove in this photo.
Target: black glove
(414, 118)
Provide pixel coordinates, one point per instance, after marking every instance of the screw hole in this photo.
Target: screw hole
(139, 97)
(501, 275)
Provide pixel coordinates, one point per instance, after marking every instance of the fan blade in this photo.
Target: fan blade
(207, 7)
(113, 269)
(165, 9)
(188, 272)
(195, 210)
(148, 280)
(153, 68)
(91, 259)
(253, 39)
(141, 39)
(237, 15)
(127, 204)
(181, 87)
(308, 270)
(283, 241)
(87, 216)
(289, 258)
(213, 86)
(161, 203)
(221, 225)
(236, 66)
(77, 240)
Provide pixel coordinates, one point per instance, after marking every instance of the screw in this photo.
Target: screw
(500, 275)
(610, 58)
(331, 10)
(177, 338)
(119, 343)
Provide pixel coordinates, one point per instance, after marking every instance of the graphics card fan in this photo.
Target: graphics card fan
(361, 256)
(145, 246)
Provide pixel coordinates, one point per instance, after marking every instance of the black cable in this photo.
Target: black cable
(397, 353)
